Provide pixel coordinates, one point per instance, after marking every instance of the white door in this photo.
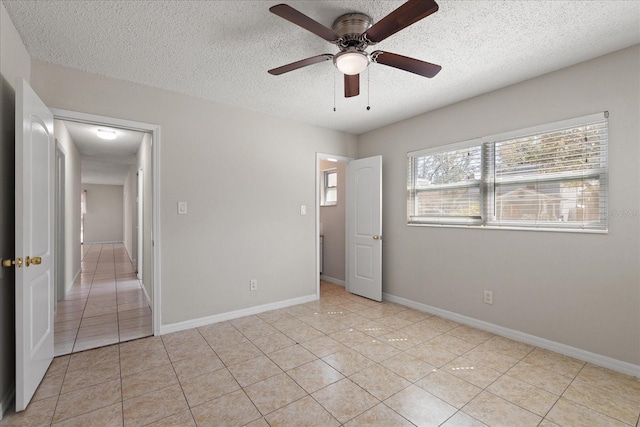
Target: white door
(35, 154)
(364, 227)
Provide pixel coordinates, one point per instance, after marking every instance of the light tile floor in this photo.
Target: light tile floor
(105, 306)
(342, 360)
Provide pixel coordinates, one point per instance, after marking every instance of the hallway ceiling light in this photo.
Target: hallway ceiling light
(107, 133)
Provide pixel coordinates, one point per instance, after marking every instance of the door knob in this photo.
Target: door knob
(376, 237)
(9, 262)
(36, 260)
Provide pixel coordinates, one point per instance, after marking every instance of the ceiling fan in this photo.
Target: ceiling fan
(353, 33)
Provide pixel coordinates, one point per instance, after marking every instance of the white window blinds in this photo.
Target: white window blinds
(445, 186)
(553, 177)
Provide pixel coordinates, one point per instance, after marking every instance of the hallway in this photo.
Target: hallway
(106, 304)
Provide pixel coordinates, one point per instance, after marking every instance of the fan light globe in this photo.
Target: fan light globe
(351, 62)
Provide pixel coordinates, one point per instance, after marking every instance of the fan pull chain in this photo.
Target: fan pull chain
(334, 90)
(368, 86)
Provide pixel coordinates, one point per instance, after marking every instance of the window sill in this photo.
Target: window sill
(513, 228)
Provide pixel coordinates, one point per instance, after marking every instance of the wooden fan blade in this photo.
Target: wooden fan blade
(300, 64)
(407, 14)
(302, 20)
(405, 63)
(351, 85)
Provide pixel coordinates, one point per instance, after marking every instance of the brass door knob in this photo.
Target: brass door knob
(9, 262)
(36, 260)
(376, 237)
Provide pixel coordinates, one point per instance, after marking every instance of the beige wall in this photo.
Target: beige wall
(103, 221)
(581, 290)
(14, 62)
(130, 213)
(244, 217)
(333, 224)
(73, 249)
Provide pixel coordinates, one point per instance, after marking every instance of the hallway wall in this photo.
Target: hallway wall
(130, 214)
(103, 221)
(73, 249)
(144, 163)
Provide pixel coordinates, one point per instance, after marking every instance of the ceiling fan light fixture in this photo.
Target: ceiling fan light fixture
(351, 62)
(107, 133)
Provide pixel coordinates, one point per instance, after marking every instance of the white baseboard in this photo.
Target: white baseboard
(332, 280)
(7, 399)
(103, 242)
(203, 321)
(577, 353)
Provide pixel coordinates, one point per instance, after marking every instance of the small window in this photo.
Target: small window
(330, 188)
(549, 177)
(445, 186)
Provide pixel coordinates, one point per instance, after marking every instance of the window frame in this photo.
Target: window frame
(412, 191)
(488, 183)
(326, 187)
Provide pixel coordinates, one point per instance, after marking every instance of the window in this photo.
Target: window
(330, 188)
(445, 186)
(549, 177)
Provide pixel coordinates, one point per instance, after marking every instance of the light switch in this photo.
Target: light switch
(303, 209)
(182, 208)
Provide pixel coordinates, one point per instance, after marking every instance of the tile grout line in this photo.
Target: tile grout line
(75, 341)
(316, 357)
(121, 388)
(173, 368)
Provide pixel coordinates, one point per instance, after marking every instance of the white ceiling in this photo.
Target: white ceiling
(104, 161)
(221, 50)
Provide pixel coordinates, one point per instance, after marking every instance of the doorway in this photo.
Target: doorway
(362, 195)
(331, 188)
(332, 233)
(123, 309)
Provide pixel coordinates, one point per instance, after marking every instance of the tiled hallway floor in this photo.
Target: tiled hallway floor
(105, 306)
(343, 360)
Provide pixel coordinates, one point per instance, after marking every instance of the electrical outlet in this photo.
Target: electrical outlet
(253, 286)
(488, 297)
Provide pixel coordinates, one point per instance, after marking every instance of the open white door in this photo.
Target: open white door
(364, 227)
(34, 268)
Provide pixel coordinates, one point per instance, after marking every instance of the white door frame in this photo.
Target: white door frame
(139, 223)
(155, 162)
(338, 158)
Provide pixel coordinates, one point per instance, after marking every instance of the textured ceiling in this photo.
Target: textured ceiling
(104, 161)
(221, 50)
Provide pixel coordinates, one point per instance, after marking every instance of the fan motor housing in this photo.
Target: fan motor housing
(350, 27)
